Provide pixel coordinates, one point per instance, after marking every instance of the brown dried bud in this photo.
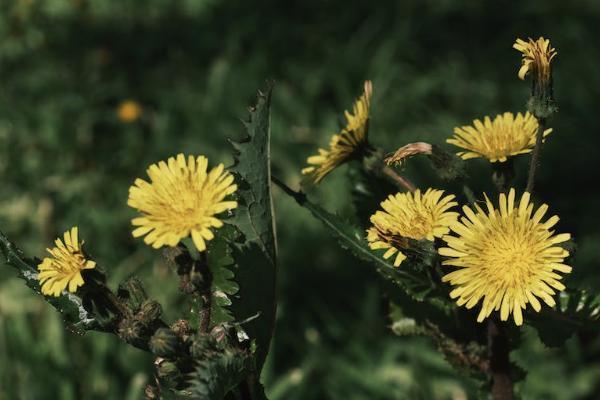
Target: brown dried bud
(182, 328)
(151, 392)
(405, 152)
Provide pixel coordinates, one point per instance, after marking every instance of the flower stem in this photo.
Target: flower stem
(535, 157)
(502, 385)
(398, 179)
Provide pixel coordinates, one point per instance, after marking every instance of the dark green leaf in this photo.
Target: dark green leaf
(255, 252)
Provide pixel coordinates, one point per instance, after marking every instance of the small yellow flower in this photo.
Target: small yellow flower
(537, 56)
(64, 267)
(499, 139)
(410, 216)
(346, 144)
(129, 111)
(181, 199)
(506, 257)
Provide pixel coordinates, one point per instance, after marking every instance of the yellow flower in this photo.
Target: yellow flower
(64, 267)
(407, 151)
(181, 199)
(129, 111)
(537, 56)
(408, 216)
(346, 144)
(506, 257)
(499, 139)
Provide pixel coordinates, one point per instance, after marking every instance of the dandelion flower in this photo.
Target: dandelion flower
(181, 199)
(499, 139)
(129, 111)
(537, 56)
(63, 269)
(346, 144)
(408, 216)
(506, 257)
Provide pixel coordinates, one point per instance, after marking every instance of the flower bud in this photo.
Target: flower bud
(150, 311)
(132, 291)
(164, 342)
(130, 330)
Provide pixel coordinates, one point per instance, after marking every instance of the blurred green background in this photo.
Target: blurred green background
(193, 66)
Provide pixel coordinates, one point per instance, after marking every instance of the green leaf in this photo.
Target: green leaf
(352, 238)
(224, 287)
(255, 252)
(217, 374)
(77, 318)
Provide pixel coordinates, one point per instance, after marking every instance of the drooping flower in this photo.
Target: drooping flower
(346, 144)
(506, 257)
(181, 199)
(63, 269)
(407, 151)
(537, 56)
(499, 139)
(406, 216)
(129, 111)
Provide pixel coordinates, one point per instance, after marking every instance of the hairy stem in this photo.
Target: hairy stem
(502, 385)
(397, 178)
(205, 292)
(535, 157)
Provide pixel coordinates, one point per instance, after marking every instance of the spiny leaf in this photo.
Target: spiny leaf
(217, 374)
(69, 305)
(255, 253)
(223, 284)
(351, 238)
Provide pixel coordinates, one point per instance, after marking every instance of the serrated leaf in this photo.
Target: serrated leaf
(255, 253)
(352, 239)
(77, 318)
(224, 286)
(218, 374)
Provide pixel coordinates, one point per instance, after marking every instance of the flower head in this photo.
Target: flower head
(407, 216)
(499, 139)
(129, 111)
(407, 151)
(537, 56)
(181, 199)
(346, 144)
(63, 268)
(506, 257)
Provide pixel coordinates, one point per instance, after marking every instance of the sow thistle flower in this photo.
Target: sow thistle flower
(63, 269)
(499, 139)
(346, 144)
(181, 199)
(506, 257)
(407, 216)
(537, 56)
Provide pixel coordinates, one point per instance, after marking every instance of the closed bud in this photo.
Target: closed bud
(167, 370)
(164, 342)
(448, 165)
(132, 292)
(182, 328)
(130, 330)
(150, 311)
(203, 344)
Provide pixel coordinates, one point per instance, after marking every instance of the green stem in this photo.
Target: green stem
(535, 157)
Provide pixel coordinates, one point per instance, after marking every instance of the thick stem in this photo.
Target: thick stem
(502, 385)
(535, 157)
(397, 178)
(205, 292)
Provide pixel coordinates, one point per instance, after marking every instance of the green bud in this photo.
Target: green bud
(130, 330)
(203, 344)
(448, 165)
(132, 292)
(164, 342)
(167, 370)
(150, 311)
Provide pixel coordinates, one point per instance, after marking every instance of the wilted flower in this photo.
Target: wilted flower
(499, 139)
(181, 199)
(63, 269)
(407, 151)
(408, 216)
(506, 257)
(346, 144)
(537, 56)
